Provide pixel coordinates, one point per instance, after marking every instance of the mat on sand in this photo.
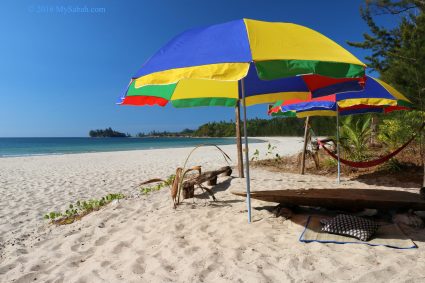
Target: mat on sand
(388, 235)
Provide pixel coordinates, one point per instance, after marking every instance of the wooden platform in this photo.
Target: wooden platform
(342, 198)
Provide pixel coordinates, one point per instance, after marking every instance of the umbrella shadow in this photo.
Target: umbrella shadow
(222, 203)
(220, 187)
(223, 186)
(204, 200)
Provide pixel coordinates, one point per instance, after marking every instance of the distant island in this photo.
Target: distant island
(107, 133)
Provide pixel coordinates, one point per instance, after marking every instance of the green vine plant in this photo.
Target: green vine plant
(270, 151)
(255, 155)
(269, 154)
(165, 183)
(80, 209)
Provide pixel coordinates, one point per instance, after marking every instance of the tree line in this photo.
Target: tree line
(255, 128)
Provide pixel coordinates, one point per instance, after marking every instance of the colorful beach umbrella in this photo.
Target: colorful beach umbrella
(247, 60)
(376, 97)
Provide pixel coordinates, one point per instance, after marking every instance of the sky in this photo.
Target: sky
(63, 68)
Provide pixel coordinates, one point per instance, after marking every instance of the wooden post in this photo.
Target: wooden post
(374, 129)
(239, 140)
(338, 178)
(422, 149)
(307, 120)
(423, 182)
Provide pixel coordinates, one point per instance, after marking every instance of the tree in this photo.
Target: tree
(398, 54)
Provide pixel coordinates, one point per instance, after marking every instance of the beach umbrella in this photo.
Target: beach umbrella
(244, 60)
(376, 97)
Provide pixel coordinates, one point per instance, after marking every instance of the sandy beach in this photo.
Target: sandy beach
(142, 239)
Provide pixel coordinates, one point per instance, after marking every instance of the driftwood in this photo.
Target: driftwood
(187, 187)
(342, 198)
(181, 184)
(209, 176)
(179, 180)
(175, 185)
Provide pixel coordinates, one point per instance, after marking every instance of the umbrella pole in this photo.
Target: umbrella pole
(307, 120)
(239, 139)
(248, 185)
(337, 145)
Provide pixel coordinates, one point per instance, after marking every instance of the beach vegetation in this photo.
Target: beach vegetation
(397, 128)
(329, 163)
(255, 155)
(162, 184)
(79, 209)
(355, 135)
(271, 151)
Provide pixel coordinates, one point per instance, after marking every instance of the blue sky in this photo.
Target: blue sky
(61, 71)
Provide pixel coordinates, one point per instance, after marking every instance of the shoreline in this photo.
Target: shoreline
(256, 140)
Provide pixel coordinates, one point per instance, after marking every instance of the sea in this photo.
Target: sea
(12, 147)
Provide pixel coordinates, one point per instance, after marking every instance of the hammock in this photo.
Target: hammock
(371, 163)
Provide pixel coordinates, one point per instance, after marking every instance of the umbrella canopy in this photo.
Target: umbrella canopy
(204, 66)
(376, 97)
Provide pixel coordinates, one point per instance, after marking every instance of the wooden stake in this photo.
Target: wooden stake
(239, 140)
(307, 120)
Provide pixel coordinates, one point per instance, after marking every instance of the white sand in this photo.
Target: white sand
(142, 239)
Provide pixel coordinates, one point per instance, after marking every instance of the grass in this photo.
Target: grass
(168, 182)
(80, 209)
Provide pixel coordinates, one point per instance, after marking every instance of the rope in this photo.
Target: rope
(371, 163)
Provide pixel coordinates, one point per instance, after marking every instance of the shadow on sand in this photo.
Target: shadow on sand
(408, 177)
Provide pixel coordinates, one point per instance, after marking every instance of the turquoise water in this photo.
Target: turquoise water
(45, 146)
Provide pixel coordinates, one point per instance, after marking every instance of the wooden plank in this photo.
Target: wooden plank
(343, 198)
